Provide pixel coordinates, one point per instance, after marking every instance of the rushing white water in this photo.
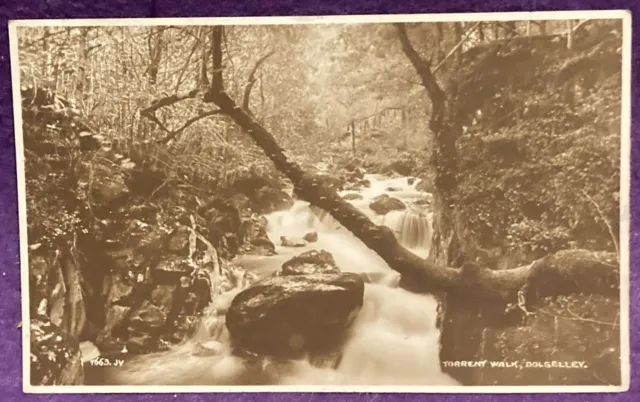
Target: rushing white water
(393, 341)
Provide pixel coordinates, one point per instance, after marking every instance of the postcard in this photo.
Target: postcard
(381, 203)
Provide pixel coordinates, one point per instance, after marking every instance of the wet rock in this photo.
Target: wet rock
(89, 351)
(180, 297)
(171, 268)
(140, 344)
(411, 180)
(354, 175)
(364, 183)
(148, 317)
(383, 204)
(119, 290)
(261, 246)
(162, 296)
(143, 343)
(293, 314)
(256, 241)
(201, 288)
(310, 262)
(114, 318)
(144, 212)
(111, 347)
(288, 242)
(404, 167)
(311, 237)
(352, 196)
(179, 241)
(185, 326)
(423, 201)
(394, 189)
(55, 356)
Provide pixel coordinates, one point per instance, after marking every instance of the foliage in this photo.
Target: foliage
(539, 164)
(564, 329)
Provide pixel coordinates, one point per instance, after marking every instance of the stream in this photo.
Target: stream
(393, 341)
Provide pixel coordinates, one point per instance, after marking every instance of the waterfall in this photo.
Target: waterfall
(393, 341)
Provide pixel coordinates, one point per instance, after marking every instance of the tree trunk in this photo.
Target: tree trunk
(570, 34)
(543, 27)
(353, 137)
(156, 45)
(440, 42)
(459, 31)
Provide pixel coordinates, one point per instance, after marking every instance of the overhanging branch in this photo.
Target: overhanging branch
(251, 80)
(167, 101)
(173, 134)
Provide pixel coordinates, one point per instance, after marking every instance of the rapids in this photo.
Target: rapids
(394, 340)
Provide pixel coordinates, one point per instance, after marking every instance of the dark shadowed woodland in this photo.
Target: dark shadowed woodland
(346, 204)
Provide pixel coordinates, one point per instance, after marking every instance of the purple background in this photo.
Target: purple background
(10, 335)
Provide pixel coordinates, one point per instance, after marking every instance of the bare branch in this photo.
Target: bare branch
(175, 133)
(167, 101)
(186, 66)
(48, 35)
(456, 47)
(251, 80)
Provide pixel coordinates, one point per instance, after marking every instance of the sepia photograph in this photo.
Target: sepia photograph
(408, 203)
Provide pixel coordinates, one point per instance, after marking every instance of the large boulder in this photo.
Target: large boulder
(291, 315)
(310, 262)
(55, 356)
(383, 204)
(357, 185)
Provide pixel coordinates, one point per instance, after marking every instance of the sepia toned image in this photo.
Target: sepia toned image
(386, 203)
